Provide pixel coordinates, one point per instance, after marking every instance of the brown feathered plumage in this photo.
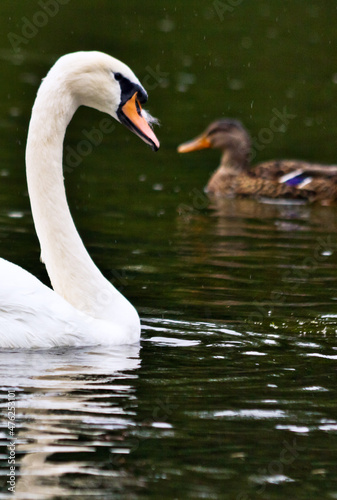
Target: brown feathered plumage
(292, 179)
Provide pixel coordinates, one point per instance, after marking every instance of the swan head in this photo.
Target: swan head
(99, 81)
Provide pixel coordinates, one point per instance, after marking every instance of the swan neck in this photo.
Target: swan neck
(71, 270)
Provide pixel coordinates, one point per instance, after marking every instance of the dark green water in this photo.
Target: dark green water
(232, 391)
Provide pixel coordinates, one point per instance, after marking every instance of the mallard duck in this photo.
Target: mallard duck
(292, 179)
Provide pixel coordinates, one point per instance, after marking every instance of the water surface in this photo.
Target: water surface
(232, 390)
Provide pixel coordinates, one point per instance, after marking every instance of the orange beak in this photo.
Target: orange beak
(201, 142)
(131, 116)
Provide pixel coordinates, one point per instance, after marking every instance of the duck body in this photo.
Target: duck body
(283, 179)
(84, 308)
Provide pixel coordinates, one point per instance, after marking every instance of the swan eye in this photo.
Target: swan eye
(118, 76)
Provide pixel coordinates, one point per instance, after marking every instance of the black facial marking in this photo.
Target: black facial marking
(128, 89)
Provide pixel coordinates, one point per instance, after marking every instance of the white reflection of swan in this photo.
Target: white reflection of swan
(57, 394)
(86, 308)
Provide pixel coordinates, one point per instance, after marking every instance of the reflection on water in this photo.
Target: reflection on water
(199, 405)
(262, 263)
(66, 403)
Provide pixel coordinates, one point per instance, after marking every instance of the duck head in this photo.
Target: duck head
(227, 135)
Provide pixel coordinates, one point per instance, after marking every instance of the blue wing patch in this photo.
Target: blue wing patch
(297, 178)
(295, 181)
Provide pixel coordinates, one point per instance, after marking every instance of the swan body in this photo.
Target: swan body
(291, 179)
(84, 308)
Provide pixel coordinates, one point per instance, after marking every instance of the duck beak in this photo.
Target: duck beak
(130, 114)
(201, 142)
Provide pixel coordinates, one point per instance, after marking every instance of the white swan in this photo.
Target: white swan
(85, 308)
